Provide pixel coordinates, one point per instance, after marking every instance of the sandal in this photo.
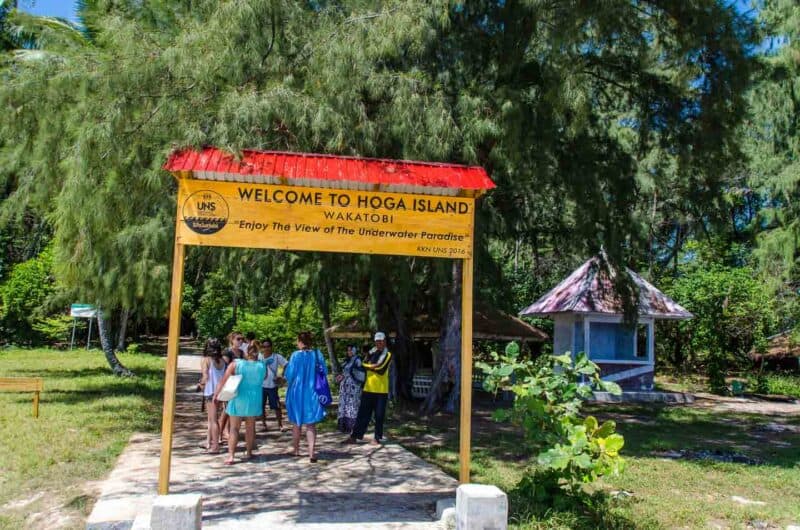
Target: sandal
(228, 462)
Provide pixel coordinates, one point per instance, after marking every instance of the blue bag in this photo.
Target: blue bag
(321, 386)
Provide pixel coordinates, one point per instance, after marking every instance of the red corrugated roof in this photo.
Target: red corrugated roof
(217, 164)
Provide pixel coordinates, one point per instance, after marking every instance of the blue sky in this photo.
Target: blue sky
(50, 8)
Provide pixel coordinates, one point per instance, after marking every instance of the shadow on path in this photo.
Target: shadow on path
(359, 486)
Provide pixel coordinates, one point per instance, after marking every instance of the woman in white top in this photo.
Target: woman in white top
(212, 369)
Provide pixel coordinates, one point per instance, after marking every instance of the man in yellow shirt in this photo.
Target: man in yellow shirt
(376, 391)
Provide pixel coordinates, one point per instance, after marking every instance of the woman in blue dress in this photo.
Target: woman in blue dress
(247, 403)
(302, 405)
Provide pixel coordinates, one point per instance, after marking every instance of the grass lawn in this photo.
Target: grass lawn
(665, 493)
(775, 383)
(86, 416)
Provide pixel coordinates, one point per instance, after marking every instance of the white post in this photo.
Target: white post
(480, 507)
(177, 512)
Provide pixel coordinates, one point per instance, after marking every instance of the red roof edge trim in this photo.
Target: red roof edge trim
(299, 166)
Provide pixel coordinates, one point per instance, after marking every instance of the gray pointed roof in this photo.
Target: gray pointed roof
(590, 289)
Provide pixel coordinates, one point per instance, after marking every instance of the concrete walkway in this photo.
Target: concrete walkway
(361, 486)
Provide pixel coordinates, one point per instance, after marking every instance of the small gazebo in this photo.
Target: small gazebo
(588, 315)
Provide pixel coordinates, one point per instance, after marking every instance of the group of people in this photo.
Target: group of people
(363, 390)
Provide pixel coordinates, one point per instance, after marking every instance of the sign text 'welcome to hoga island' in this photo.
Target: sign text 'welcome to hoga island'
(326, 219)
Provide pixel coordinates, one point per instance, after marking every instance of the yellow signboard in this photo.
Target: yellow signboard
(238, 214)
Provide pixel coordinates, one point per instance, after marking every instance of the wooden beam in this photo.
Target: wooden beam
(466, 371)
(21, 384)
(24, 384)
(171, 373)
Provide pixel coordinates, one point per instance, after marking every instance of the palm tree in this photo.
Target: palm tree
(29, 36)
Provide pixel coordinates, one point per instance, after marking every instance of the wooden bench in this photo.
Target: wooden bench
(24, 384)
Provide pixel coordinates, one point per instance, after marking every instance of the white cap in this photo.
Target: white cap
(380, 336)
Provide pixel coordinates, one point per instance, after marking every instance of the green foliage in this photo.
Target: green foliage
(214, 316)
(772, 143)
(189, 299)
(24, 296)
(775, 384)
(592, 118)
(576, 109)
(571, 450)
(283, 324)
(733, 313)
(55, 328)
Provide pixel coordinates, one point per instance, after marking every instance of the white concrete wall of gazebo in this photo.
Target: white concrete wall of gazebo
(572, 333)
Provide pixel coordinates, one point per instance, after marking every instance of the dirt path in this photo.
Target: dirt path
(748, 405)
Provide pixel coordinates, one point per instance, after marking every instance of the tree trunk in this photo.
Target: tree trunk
(108, 348)
(381, 300)
(402, 367)
(123, 329)
(651, 234)
(325, 309)
(450, 351)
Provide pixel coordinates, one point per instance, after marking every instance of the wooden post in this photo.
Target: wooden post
(171, 373)
(466, 371)
(36, 404)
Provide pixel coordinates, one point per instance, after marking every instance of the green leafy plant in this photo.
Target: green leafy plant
(282, 325)
(53, 329)
(570, 450)
(23, 298)
(733, 314)
(777, 384)
(214, 315)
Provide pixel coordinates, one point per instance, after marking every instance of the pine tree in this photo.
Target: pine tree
(578, 110)
(772, 141)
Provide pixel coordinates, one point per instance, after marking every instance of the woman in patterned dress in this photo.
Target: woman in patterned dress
(351, 381)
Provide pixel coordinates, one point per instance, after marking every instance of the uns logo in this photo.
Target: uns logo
(205, 212)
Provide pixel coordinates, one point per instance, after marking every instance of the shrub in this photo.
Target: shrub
(776, 384)
(214, 316)
(282, 325)
(23, 298)
(570, 450)
(54, 329)
(733, 313)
